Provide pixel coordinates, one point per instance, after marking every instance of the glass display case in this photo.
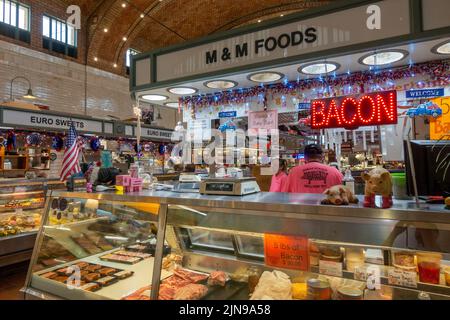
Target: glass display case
(21, 208)
(163, 245)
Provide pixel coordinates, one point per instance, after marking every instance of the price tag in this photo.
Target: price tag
(282, 251)
(402, 278)
(330, 268)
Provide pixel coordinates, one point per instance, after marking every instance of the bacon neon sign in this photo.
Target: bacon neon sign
(351, 112)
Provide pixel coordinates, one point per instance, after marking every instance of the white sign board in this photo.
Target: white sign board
(199, 128)
(156, 133)
(333, 30)
(41, 120)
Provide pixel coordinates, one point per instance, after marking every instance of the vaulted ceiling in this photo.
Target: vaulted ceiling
(150, 24)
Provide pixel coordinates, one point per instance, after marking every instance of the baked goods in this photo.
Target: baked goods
(106, 281)
(91, 277)
(123, 274)
(191, 292)
(49, 275)
(120, 259)
(91, 287)
(93, 267)
(217, 278)
(107, 271)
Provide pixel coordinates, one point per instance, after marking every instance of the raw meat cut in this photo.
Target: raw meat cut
(217, 278)
(191, 292)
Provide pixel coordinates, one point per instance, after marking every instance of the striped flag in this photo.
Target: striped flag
(70, 163)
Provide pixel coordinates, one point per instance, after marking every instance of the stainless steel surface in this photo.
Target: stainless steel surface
(157, 264)
(402, 210)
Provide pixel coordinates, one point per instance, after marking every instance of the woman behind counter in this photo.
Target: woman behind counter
(279, 179)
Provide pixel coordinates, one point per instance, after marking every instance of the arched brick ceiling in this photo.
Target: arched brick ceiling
(168, 22)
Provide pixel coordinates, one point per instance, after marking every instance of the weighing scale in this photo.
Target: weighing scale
(229, 186)
(188, 182)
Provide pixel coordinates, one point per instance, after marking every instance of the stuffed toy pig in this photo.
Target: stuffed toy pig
(378, 181)
(339, 195)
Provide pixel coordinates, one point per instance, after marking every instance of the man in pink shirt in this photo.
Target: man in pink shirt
(314, 176)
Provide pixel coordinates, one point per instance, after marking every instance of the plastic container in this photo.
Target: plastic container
(429, 265)
(399, 186)
(404, 260)
(354, 257)
(318, 289)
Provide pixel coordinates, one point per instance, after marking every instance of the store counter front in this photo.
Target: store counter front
(223, 247)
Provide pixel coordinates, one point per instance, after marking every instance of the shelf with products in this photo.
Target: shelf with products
(220, 247)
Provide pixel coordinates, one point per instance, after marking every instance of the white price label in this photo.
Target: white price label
(330, 268)
(402, 278)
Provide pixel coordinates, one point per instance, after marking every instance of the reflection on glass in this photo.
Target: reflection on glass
(251, 245)
(210, 239)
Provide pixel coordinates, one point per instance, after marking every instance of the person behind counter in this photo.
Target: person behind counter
(279, 179)
(313, 176)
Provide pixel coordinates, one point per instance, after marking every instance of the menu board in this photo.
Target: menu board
(285, 251)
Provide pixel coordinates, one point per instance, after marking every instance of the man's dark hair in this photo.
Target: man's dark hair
(313, 151)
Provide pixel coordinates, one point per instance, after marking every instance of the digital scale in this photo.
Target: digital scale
(229, 186)
(188, 182)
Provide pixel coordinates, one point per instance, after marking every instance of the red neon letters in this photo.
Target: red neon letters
(354, 111)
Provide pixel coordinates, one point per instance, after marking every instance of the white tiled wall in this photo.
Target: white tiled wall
(62, 84)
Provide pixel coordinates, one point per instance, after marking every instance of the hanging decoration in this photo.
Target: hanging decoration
(94, 143)
(34, 139)
(57, 143)
(11, 141)
(437, 70)
(162, 149)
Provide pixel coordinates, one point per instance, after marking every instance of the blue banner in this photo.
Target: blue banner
(425, 93)
(304, 106)
(227, 114)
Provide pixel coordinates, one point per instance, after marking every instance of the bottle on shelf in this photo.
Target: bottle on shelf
(349, 181)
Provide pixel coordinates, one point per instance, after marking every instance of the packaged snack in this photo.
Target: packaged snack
(91, 287)
(106, 281)
(91, 277)
(49, 275)
(93, 267)
(123, 274)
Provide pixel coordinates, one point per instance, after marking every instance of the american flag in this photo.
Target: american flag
(70, 163)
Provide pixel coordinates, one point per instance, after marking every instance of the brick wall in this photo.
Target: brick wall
(67, 86)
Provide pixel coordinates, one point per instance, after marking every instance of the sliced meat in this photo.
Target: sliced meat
(217, 278)
(191, 292)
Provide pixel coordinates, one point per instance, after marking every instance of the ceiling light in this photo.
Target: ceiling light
(383, 57)
(281, 15)
(154, 97)
(29, 95)
(442, 48)
(182, 90)
(124, 38)
(124, 5)
(266, 76)
(318, 68)
(220, 84)
(142, 15)
(259, 20)
(95, 59)
(115, 65)
(105, 30)
(171, 104)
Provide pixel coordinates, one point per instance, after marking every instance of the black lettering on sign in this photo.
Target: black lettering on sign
(258, 45)
(284, 41)
(211, 57)
(241, 50)
(311, 35)
(297, 38)
(33, 119)
(270, 44)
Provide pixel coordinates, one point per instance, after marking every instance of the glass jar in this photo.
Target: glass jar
(254, 273)
(318, 290)
(349, 293)
(447, 275)
(429, 267)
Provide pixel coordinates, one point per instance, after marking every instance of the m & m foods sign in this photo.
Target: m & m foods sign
(351, 112)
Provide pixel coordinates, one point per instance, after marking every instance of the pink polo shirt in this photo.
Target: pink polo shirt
(312, 177)
(278, 181)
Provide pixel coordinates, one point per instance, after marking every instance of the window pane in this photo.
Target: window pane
(54, 29)
(46, 26)
(210, 239)
(7, 12)
(23, 18)
(249, 245)
(13, 14)
(70, 35)
(2, 12)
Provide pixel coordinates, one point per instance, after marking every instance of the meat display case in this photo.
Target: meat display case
(205, 233)
(21, 208)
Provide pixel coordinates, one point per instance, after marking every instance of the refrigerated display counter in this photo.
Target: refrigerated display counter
(21, 208)
(164, 245)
